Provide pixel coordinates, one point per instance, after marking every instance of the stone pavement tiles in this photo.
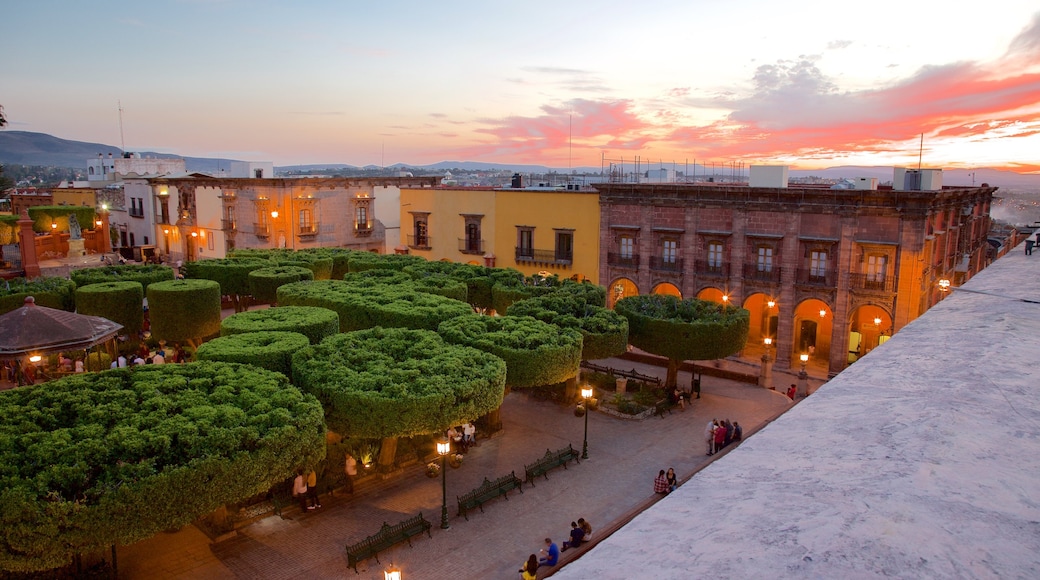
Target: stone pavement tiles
(624, 457)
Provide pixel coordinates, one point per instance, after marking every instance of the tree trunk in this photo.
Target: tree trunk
(673, 374)
(494, 418)
(570, 393)
(387, 453)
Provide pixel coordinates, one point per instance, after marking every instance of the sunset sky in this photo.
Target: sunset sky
(565, 84)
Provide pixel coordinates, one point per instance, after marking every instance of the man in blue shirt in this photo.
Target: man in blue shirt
(552, 554)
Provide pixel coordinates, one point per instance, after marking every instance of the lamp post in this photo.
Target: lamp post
(766, 376)
(586, 394)
(392, 573)
(442, 450)
(803, 377)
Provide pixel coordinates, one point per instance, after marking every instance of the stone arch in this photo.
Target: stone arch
(621, 288)
(870, 326)
(811, 333)
(667, 288)
(765, 315)
(712, 294)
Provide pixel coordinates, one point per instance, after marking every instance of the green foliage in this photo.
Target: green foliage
(144, 274)
(313, 322)
(340, 260)
(393, 382)
(684, 329)
(182, 310)
(362, 261)
(512, 286)
(264, 282)
(94, 460)
(536, 353)
(604, 331)
(45, 215)
(9, 231)
(231, 274)
(268, 350)
(56, 293)
(120, 302)
(97, 361)
(377, 277)
(442, 286)
(379, 305)
(478, 279)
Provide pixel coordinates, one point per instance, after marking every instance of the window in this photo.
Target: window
(421, 237)
(257, 173)
(361, 217)
(564, 245)
(473, 238)
(670, 251)
(627, 246)
(765, 259)
(876, 268)
(525, 242)
(715, 256)
(306, 225)
(817, 264)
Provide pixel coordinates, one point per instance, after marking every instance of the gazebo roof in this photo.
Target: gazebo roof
(34, 329)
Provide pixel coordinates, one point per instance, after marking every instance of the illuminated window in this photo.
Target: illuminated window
(361, 217)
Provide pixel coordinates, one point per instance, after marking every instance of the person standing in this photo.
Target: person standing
(350, 468)
(299, 490)
(469, 435)
(1029, 247)
(312, 489)
(791, 391)
(661, 483)
(720, 436)
(709, 436)
(738, 431)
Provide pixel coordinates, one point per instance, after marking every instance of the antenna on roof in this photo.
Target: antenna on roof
(122, 142)
(920, 153)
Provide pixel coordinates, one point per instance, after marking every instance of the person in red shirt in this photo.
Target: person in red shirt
(661, 483)
(720, 437)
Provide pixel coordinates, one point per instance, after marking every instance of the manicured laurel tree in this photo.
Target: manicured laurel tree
(367, 261)
(144, 273)
(508, 288)
(683, 329)
(340, 260)
(590, 293)
(441, 285)
(90, 461)
(396, 382)
(231, 274)
(45, 215)
(536, 353)
(120, 302)
(477, 278)
(604, 332)
(185, 310)
(379, 305)
(321, 266)
(377, 277)
(264, 282)
(313, 322)
(268, 350)
(58, 293)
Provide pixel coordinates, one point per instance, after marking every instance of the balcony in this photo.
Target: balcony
(826, 279)
(705, 268)
(261, 231)
(228, 225)
(754, 274)
(550, 257)
(137, 212)
(660, 264)
(307, 231)
(420, 242)
(362, 230)
(871, 282)
(471, 246)
(623, 261)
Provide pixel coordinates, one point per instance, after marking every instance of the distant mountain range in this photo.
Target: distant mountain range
(27, 148)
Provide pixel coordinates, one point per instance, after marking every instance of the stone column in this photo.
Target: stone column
(27, 246)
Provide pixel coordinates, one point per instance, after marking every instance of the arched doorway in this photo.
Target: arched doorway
(869, 327)
(764, 318)
(621, 288)
(813, 322)
(668, 289)
(713, 295)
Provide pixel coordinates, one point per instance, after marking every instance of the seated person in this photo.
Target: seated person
(586, 527)
(577, 535)
(552, 554)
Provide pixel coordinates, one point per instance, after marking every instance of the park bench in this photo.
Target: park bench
(488, 491)
(386, 537)
(550, 460)
(632, 374)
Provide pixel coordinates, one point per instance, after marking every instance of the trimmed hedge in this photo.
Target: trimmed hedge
(184, 310)
(313, 322)
(536, 353)
(268, 350)
(362, 261)
(340, 260)
(264, 282)
(120, 302)
(512, 286)
(442, 285)
(379, 305)
(231, 274)
(144, 274)
(378, 277)
(394, 382)
(58, 293)
(604, 332)
(681, 330)
(44, 215)
(100, 459)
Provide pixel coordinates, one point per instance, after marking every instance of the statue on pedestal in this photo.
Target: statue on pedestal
(75, 232)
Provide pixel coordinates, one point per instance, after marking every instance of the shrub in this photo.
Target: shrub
(44, 215)
(144, 274)
(120, 302)
(313, 322)
(264, 282)
(268, 350)
(58, 293)
(604, 331)
(184, 310)
(231, 274)
(362, 261)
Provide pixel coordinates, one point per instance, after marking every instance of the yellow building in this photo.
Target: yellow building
(531, 229)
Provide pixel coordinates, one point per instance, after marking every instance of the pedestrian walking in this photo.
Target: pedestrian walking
(299, 490)
(738, 431)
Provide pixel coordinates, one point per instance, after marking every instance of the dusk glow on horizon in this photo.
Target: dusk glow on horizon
(804, 83)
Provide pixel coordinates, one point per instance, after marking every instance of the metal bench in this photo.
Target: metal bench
(386, 537)
(488, 491)
(550, 460)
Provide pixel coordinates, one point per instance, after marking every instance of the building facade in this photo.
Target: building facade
(826, 273)
(537, 229)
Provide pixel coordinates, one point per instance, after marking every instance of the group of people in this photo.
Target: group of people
(665, 482)
(144, 356)
(463, 437)
(581, 532)
(719, 434)
(305, 489)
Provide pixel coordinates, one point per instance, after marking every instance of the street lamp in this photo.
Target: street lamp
(803, 377)
(442, 450)
(392, 573)
(586, 393)
(766, 377)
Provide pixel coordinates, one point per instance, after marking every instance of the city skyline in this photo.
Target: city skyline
(563, 86)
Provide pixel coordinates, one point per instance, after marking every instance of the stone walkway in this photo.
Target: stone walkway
(606, 489)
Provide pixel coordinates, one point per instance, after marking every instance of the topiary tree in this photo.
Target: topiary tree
(604, 332)
(45, 215)
(264, 282)
(56, 293)
(683, 329)
(184, 310)
(313, 322)
(231, 274)
(268, 350)
(394, 382)
(120, 302)
(143, 274)
(362, 261)
(511, 286)
(115, 457)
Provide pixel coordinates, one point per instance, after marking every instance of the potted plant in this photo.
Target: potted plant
(455, 460)
(433, 469)
(579, 410)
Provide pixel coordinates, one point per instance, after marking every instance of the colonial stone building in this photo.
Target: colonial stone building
(830, 273)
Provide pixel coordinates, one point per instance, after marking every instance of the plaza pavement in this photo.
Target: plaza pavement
(613, 485)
